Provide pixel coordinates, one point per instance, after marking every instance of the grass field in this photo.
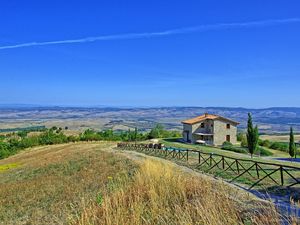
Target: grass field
(90, 183)
(270, 184)
(50, 185)
(208, 149)
(279, 138)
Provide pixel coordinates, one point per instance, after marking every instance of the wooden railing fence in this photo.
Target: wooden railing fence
(248, 171)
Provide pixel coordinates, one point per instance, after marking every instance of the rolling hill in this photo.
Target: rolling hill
(270, 120)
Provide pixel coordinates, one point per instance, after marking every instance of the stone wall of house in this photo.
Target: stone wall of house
(217, 127)
(208, 127)
(189, 128)
(221, 131)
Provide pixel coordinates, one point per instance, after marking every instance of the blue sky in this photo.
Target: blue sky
(150, 53)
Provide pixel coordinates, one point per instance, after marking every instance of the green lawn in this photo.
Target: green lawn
(208, 149)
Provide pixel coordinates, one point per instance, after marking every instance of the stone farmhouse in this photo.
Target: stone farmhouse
(209, 129)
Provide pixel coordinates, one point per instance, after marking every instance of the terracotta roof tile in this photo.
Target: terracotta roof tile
(207, 117)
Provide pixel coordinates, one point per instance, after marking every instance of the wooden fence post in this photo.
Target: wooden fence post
(199, 159)
(237, 166)
(223, 163)
(281, 175)
(257, 171)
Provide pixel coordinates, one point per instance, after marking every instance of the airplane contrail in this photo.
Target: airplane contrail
(185, 30)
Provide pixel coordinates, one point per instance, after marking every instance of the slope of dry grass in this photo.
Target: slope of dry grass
(50, 183)
(161, 194)
(88, 183)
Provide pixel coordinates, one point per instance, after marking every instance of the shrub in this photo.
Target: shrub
(160, 132)
(239, 136)
(4, 152)
(279, 146)
(22, 134)
(244, 142)
(156, 132)
(28, 142)
(266, 143)
(226, 143)
(263, 152)
(229, 147)
(72, 138)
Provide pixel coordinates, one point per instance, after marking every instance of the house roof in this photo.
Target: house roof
(207, 116)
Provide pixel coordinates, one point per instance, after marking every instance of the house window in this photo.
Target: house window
(228, 126)
(228, 138)
(202, 125)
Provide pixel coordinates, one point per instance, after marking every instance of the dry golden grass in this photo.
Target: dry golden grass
(51, 181)
(161, 194)
(89, 183)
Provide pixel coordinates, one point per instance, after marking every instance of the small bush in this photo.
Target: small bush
(4, 152)
(239, 136)
(263, 152)
(244, 142)
(266, 143)
(226, 143)
(279, 146)
(232, 148)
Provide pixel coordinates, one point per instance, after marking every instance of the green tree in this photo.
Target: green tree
(22, 134)
(266, 143)
(252, 136)
(156, 132)
(244, 142)
(239, 136)
(135, 134)
(54, 128)
(4, 150)
(292, 146)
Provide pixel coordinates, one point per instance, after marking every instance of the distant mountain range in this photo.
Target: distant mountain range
(270, 120)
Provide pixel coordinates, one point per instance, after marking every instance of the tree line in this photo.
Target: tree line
(12, 143)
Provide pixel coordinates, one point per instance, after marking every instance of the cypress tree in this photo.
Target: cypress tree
(292, 146)
(252, 136)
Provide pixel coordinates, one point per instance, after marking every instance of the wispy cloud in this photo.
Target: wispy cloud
(185, 30)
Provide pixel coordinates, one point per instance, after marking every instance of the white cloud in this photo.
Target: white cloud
(185, 30)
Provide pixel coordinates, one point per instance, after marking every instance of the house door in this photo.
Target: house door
(228, 138)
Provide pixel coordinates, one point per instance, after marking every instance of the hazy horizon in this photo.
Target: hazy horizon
(24, 105)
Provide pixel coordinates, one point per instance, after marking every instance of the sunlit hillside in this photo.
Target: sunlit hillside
(92, 183)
